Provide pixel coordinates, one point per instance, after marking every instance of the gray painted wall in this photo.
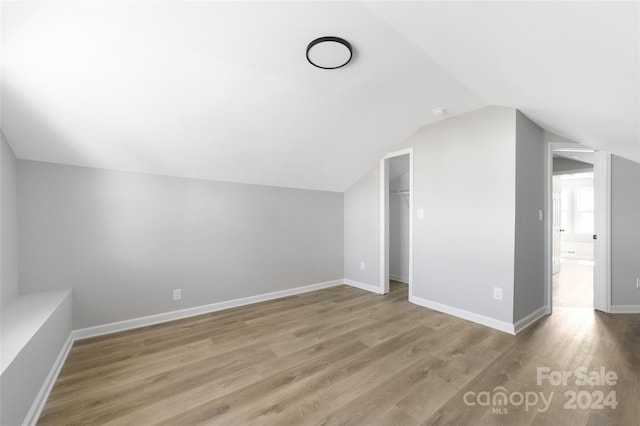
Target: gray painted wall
(362, 229)
(464, 179)
(555, 138)
(625, 231)
(566, 165)
(529, 280)
(123, 241)
(8, 225)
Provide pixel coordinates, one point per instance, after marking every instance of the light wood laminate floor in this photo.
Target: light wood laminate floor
(573, 285)
(346, 356)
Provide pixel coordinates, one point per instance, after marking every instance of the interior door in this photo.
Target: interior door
(556, 229)
(602, 211)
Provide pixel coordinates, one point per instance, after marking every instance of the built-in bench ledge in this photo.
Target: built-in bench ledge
(35, 329)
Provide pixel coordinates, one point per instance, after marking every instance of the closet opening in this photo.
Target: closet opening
(396, 221)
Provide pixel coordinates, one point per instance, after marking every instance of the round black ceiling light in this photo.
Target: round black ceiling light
(329, 53)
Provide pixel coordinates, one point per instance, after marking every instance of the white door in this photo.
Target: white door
(602, 249)
(556, 229)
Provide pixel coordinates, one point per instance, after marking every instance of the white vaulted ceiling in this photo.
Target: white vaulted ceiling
(222, 90)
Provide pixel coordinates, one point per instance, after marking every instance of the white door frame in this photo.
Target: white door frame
(384, 220)
(602, 227)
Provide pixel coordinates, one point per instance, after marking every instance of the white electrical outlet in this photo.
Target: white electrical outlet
(638, 282)
(497, 293)
(420, 213)
(362, 266)
(177, 293)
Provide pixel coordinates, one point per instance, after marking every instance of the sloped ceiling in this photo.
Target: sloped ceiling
(222, 90)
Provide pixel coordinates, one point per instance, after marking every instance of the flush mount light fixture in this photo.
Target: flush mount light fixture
(329, 53)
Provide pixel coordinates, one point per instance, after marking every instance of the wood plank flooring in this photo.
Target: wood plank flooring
(573, 285)
(345, 356)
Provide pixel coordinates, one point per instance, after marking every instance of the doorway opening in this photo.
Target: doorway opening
(396, 220)
(579, 231)
(573, 230)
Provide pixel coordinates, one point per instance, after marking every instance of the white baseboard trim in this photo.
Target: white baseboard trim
(38, 404)
(362, 286)
(130, 324)
(625, 309)
(466, 315)
(530, 319)
(400, 278)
